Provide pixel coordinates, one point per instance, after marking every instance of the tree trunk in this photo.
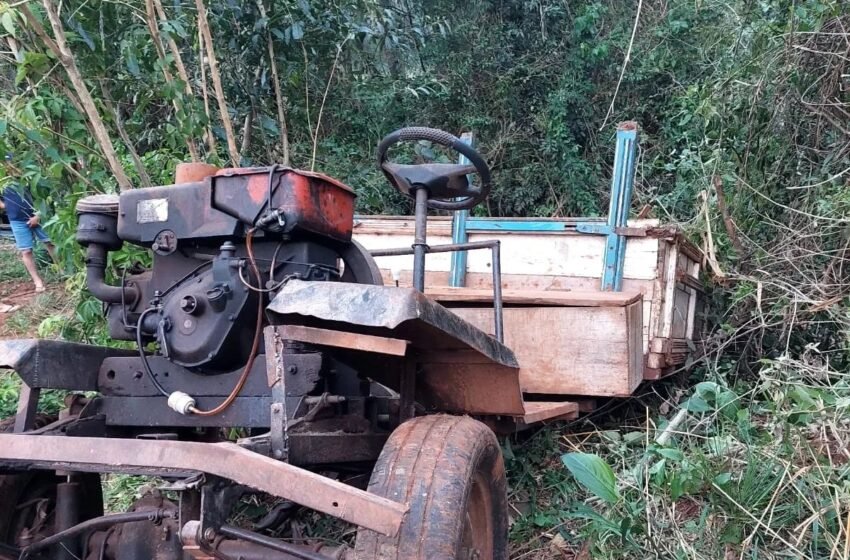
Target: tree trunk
(66, 59)
(279, 100)
(203, 24)
(160, 51)
(175, 50)
(210, 137)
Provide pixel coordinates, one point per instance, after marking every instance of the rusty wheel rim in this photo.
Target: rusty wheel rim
(478, 527)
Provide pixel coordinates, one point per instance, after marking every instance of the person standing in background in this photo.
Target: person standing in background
(25, 223)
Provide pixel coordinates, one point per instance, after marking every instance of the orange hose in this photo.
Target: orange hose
(254, 348)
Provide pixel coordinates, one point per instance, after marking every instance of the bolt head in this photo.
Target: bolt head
(292, 369)
(209, 534)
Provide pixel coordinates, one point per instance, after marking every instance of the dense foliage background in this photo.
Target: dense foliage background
(743, 107)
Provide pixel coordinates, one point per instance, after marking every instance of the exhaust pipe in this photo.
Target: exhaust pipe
(97, 230)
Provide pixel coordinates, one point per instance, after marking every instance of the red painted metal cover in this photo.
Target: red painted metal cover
(310, 201)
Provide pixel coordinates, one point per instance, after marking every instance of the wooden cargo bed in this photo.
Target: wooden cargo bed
(570, 338)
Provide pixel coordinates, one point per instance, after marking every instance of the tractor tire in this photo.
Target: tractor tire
(28, 500)
(450, 471)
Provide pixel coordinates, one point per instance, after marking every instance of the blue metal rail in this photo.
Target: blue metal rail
(622, 185)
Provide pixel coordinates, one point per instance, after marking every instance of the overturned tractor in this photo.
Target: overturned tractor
(265, 316)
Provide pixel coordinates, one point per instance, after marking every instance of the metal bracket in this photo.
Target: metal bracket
(622, 184)
(457, 274)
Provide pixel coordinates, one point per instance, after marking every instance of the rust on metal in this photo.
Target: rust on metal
(386, 311)
(342, 339)
(308, 201)
(460, 368)
(193, 172)
(226, 460)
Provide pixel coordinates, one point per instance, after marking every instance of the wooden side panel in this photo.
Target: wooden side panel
(525, 254)
(593, 351)
(665, 270)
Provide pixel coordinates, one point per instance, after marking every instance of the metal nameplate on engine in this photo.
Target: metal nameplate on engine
(152, 210)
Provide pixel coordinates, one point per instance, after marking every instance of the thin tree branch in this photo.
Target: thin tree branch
(153, 27)
(66, 58)
(625, 64)
(322, 106)
(279, 99)
(203, 24)
(116, 115)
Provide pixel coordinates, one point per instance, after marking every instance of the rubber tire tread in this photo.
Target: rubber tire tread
(429, 462)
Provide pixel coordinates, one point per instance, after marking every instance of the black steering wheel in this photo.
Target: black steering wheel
(447, 183)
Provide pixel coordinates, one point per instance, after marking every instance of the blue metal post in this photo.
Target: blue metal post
(457, 275)
(622, 185)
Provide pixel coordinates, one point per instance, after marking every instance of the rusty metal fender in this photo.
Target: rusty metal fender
(460, 368)
(384, 311)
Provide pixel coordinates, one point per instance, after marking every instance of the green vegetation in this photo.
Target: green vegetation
(743, 110)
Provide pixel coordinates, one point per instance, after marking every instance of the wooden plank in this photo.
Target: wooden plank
(634, 319)
(439, 225)
(27, 408)
(543, 411)
(400, 225)
(569, 254)
(540, 282)
(529, 254)
(657, 295)
(342, 339)
(692, 313)
(446, 294)
(669, 282)
(571, 350)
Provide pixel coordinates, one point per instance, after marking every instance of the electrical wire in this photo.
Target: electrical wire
(255, 347)
(144, 358)
(272, 170)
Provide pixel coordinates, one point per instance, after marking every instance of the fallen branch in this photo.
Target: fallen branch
(727, 219)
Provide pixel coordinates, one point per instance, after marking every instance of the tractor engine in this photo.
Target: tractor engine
(221, 247)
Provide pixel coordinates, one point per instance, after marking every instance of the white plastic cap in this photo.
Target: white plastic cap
(396, 273)
(180, 402)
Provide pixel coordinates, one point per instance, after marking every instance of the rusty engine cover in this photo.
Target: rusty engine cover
(218, 206)
(310, 202)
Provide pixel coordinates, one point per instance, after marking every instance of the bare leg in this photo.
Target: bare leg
(29, 264)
